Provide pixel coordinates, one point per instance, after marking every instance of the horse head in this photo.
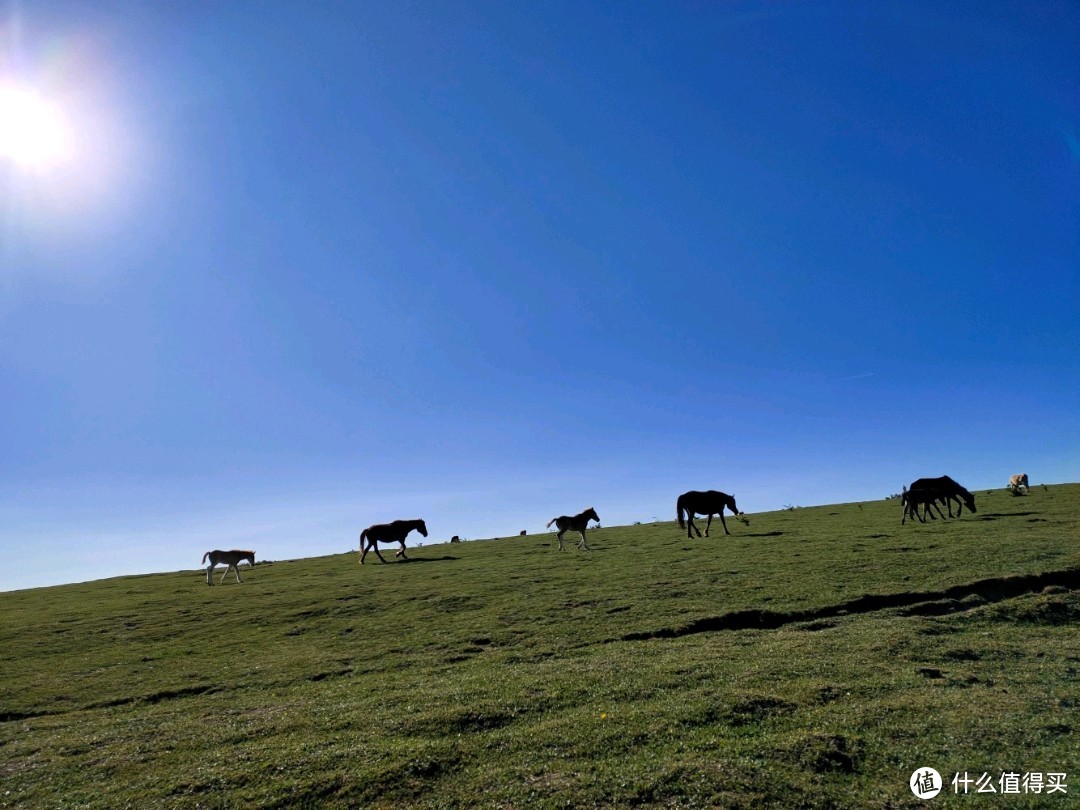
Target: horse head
(590, 514)
(421, 527)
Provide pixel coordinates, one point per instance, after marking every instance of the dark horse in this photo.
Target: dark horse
(912, 499)
(574, 523)
(704, 503)
(388, 533)
(948, 491)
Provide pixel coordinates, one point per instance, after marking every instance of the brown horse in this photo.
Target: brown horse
(574, 523)
(395, 532)
(708, 503)
(230, 559)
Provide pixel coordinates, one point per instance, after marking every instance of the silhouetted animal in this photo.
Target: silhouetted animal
(230, 559)
(455, 539)
(708, 503)
(575, 523)
(948, 491)
(911, 500)
(522, 533)
(395, 532)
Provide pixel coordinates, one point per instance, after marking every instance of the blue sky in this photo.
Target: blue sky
(310, 269)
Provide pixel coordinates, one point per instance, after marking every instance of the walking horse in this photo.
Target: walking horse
(230, 559)
(708, 503)
(574, 523)
(395, 532)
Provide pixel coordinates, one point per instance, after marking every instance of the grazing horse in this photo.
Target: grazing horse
(522, 533)
(708, 503)
(395, 532)
(912, 499)
(1017, 481)
(230, 560)
(455, 539)
(948, 491)
(574, 523)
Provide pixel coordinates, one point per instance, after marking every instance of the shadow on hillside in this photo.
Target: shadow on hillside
(428, 559)
(925, 603)
(996, 515)
(761, 534)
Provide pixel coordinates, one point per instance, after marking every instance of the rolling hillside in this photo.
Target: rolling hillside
(816, 656)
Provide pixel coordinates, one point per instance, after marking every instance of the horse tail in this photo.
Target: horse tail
(363, 537)
(204, 556)
(679, 513)
(550, 522)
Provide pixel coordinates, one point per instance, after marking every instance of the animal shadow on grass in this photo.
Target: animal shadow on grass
(428, 559)
(996, 515)
(762, 534)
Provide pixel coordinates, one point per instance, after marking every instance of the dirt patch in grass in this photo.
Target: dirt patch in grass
(457, 722)
(823, 753)
(158, 697)
(758, 708)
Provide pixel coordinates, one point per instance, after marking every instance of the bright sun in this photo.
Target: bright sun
(34, 132)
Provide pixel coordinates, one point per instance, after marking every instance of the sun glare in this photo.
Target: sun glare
(34, 132)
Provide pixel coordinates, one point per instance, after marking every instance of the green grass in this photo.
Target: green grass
(729, 671)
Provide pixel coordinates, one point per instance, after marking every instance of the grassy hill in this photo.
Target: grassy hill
(815, 657)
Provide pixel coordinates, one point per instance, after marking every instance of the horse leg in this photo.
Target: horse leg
(911, 509)
(559, 536)
(723, 522)
(708, 524)
(401, 553)
(236, 569)
(210, 574)
(583, 544)
(691, 525)
(375, 548)
(226, 571)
